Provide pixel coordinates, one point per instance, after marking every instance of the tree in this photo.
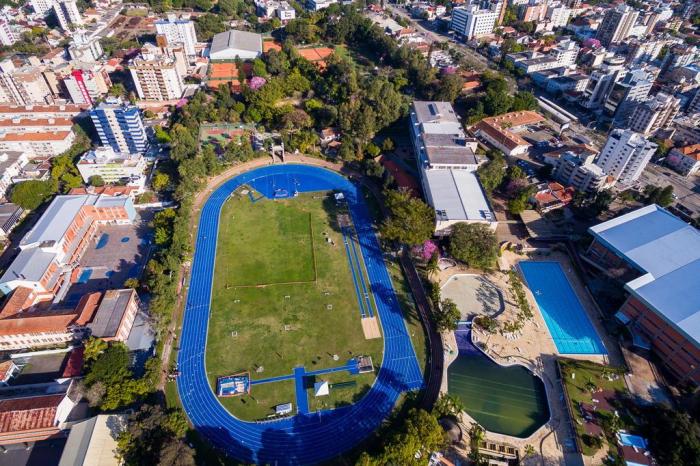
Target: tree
(520, 200)
(117, 90)
(448, 406)
(524, 100)
(674, 437)
(96, 180)
(449, 87)
(160, 182)
(176, 453)
(93, 348)
(31, 194)
(411, 221)
(658, 195)
(388, 145)
(132, 283)
(474, 244)
(491, 173)
(446, 315)
(111, 368)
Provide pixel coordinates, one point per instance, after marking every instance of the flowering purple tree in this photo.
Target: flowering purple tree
(257, 82)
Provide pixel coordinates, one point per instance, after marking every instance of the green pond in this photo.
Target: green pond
(506, 400)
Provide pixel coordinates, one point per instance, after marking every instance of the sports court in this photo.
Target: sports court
(305, 437)
(566, 319)
(473, 295)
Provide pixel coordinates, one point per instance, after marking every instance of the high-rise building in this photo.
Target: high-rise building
(472, 22)
(85, 50)
(573, 4)
(178, 31)
(678, 55)
(7, 37)
(628, 93)
(558, 15)
(625, 155)
(156, 77)
(601, 83)
(86, 86)
(42, 7)
(643, 51)
(23, 86)
(67, 14)
(616, 24)
(694, 105)
(654, 114)
(119, 126)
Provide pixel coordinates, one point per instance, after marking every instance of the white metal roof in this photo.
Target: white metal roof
(457, 195)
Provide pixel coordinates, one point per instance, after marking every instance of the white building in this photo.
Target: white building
(38, 145)
(7, 37)
(178, 31)
(85, 87)
(156, 78)
(42, 7)
(616, 24)
(231, 44)
(654, 114)
(447, 165)
(11, 164)
(67, 14)
(315, 5)
(625, 155)
(472, 22)
(558, 15)
(85, 50)
(643, 51)
(562, 56)
(34, 125)
(113, 166)
(270, 8)
(578, 172)
(23, 86)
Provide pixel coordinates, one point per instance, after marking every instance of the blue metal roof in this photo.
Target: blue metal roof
(667, 251)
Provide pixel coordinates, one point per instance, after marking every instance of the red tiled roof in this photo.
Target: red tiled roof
(42, 136)
(5, 367)
(24, 414)
(74, 365)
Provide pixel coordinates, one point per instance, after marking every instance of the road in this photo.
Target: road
(687, 190)
(479, 62)
(101, 28)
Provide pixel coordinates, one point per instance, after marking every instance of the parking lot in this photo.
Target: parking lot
(115, 254)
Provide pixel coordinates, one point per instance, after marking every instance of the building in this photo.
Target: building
(578, 171)
(94, 441)
(39, 111)
(601, 83)
(316, 5)
(627, 94)
(112, 166)
(11, 164)
(270, 8)
(119, 126)
(234, 44)
(178, 31)
(49, 251)
(616, 24)
(85, 86)
(67, 13)
(563, 55)
(23, 86)
(501, 131)
(7, 37)
(85, 50)
(42, 7)
(558, 15)
(643, 51)
(156, 77)
(472, 22)
(44, 144)
(657, 256)
(654, 114)
(551, 196)
(625, 155)
(35, 412)
(9, 217)
(678, 55)
(685, 160)
(115, 315)
(447, 165)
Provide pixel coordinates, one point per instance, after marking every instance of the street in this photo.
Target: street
(686, 190)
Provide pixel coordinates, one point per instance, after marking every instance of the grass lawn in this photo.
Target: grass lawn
(339, 396)
(587, 374)
(281, 326)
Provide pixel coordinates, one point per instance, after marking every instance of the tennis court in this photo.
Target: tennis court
(566, 319)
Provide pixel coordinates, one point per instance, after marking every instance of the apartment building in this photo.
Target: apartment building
(447, 165)
(67, 13)
(119, 126)
(316, 5)
(601, 83)
(270, 8)
(574, 170)
(685, 160)
(23, 86)
(178, 31)
(472, 22)
(113, 166)
(654, 114)
(156, 77)
(626, 94)
(49, 252)
(625, 155)
(39, 111)
(11, 164)
(85, 86)
(616, 24)
(7, 37)
(563, 55)
(657, 256)
(44, 144)
(558, 15)
(34, 125)
(85, 50)
(42, 7)
(643, 51)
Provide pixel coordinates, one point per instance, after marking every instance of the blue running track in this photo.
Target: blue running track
(304, 438)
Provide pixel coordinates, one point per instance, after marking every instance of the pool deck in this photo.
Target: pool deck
(535, 350)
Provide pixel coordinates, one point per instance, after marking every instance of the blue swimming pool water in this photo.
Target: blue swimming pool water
(632, 440)
(571, 330)
(85, 276)
(102, 242)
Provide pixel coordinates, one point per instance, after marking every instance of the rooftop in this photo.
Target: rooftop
(22, 414)
(94, 441)
(457, 195)
(667, 252)
(110, 313)
(38, 136)
(434, 112)
(233, 39)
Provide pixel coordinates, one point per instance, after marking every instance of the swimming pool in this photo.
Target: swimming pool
(567, 321)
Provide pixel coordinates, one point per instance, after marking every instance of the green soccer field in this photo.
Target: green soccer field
(280, 264)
